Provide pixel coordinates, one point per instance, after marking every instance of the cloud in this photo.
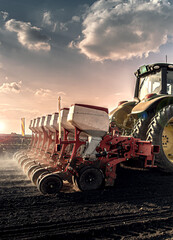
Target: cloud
(42, 92)
(47, 92)
(47, 18)
(63, 26)
(53, 25)
(51, 22)
(48, 21)
(120, 30)
(76, 19)
(4, 15)
(29, 36)
(11, 87)
(61, 93)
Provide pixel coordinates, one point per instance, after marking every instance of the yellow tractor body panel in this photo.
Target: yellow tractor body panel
(120, 115)
(156, 102)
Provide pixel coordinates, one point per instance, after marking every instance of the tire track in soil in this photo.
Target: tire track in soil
(94, 227)
(138, 207)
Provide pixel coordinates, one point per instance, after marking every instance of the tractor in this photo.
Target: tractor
(150, 115)
(84, 145)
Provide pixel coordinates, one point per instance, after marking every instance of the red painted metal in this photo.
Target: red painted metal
(112, 150)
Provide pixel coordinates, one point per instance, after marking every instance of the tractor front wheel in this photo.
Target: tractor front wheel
(141, 126)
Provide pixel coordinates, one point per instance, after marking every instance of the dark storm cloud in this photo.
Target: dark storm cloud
(60, 20)
(29, 36)
(121, 30)
(25, 10)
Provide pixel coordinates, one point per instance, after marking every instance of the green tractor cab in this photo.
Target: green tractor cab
(154, 84)
(150, 115)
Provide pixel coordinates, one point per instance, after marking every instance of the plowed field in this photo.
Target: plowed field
(140, 206)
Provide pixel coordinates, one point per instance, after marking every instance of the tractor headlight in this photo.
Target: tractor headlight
(156, 67)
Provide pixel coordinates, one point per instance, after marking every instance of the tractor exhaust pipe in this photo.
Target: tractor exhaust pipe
(59, 109)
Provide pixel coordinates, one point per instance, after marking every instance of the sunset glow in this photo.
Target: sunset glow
(2, 127)
(85, 51)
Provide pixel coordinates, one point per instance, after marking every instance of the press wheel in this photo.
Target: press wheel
(50, 184)
(36, 173)
(90, 179)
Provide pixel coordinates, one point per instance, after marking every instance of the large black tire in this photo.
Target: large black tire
(27, 165)
(90, 179)
(160, 132)
(31, 169)
(139, 131)
(36, 173)
(141, 127)
(50, 184)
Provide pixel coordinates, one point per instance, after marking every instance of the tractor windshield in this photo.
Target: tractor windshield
(149, 84)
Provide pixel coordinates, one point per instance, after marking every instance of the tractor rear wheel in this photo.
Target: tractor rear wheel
(160, 132)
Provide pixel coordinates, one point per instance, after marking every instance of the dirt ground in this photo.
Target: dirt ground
(140, 206)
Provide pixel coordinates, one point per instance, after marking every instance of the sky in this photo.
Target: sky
(85, 51)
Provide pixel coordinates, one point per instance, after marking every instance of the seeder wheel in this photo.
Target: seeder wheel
(28, 164)
(21, 158)
(31, 169)
(50, 184)
(24, 161)
(18, 154)
(35, 174)
(90, 179)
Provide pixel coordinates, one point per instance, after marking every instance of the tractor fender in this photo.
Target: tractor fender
(120, 114)
(154, 104)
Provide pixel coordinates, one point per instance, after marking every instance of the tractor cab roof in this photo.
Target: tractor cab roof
(151, 68)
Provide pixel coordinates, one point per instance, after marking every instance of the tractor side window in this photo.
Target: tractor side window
(149, 84)
(170, 82)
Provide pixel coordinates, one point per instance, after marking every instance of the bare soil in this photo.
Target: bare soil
(139, 206)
